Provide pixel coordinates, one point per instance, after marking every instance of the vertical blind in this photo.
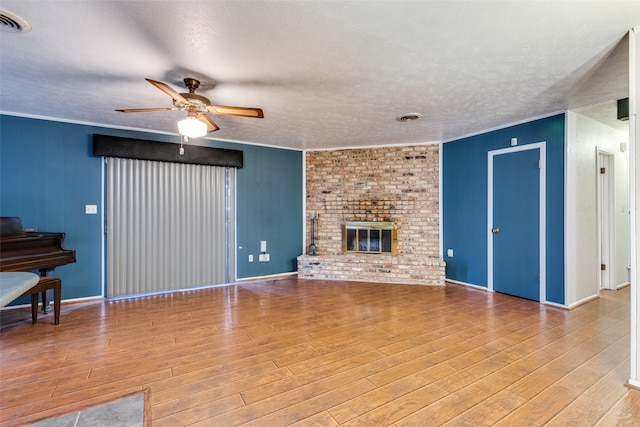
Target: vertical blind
(168, 226)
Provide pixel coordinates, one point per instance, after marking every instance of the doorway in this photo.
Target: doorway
(516, 221)
(605, 202)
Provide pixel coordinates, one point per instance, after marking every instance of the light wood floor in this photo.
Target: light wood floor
(323, 353)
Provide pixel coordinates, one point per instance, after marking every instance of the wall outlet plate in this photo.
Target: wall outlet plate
(91, 209)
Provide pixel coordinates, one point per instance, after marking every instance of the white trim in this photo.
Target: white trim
(607, 193)
(634, 92)
(103, 237)
(440, 214)
(268, 276)
(622, 285)
(519, 122)
(555, 304)
(367, 147)
(304, 203)
(81, 300)
(542, 213)
(134, 129)
(236, 247)
(62, 302)
(568, 200)
(582, 301)
(470, 285)
(235, 141)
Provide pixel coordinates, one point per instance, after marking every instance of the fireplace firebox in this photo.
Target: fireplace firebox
(369, 237)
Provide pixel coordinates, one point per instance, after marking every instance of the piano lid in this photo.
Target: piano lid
(21, 251)
(11, 226)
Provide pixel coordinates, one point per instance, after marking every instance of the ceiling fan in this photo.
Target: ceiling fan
(198, 123)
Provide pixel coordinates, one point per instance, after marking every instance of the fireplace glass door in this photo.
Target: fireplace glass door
(369, 237)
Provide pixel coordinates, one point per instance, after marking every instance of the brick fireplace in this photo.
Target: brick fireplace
(391, 185)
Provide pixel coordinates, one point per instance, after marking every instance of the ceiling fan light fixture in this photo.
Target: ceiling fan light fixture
(192, 127)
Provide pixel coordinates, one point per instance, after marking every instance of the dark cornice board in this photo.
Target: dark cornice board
(142, 149)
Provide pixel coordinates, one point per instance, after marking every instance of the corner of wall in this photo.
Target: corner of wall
(570, 140)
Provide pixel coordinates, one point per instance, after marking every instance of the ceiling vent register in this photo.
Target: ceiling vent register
(13, 23)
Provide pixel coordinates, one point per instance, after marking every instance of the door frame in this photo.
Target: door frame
(605, 218)
(542, 212)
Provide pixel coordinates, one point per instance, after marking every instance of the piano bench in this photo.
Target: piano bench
(44, 284)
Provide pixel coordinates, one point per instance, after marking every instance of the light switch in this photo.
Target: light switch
(450, 253)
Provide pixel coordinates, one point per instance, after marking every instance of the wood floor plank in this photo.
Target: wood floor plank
(625, 412)
(584, 410)
(299, 411)
(383, 395)
(349, 369)
(203, 411)
(210, 376)
(191, 395)
(322, 419)
(610, 388)
(397, 409)
(489, 411)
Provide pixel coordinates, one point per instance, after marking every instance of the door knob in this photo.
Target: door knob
(495, 230)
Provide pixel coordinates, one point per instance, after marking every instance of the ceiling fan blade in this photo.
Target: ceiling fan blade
(144, 110)
(168, 90)
(226, 110)
(211, 127)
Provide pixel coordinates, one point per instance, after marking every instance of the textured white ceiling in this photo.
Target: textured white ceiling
(326, 73)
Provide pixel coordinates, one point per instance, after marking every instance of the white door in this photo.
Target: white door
(605, 202)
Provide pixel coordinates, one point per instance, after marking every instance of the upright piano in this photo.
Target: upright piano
(28, 251)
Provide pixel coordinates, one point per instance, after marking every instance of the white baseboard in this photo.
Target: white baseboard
(271, 276)
(583, 301)
(457, 282)
(623, 285)
(62, 302)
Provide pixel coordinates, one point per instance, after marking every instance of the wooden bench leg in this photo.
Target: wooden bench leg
(45, 301)
(34, 308)
(42, 287)
(57, 298)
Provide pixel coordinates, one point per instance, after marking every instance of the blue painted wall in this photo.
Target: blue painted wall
(270, 209)
(48, 175)
(464, 200)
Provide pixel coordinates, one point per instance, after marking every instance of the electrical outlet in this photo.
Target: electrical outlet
(450, 253)
(261, 258)
(251, 258)
(267, 258)
(91, 209)
(263, 246)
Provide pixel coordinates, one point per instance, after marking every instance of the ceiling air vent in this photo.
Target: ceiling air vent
(411, 117)
(13, 23)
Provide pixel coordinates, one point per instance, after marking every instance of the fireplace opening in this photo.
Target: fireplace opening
(370, 237)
